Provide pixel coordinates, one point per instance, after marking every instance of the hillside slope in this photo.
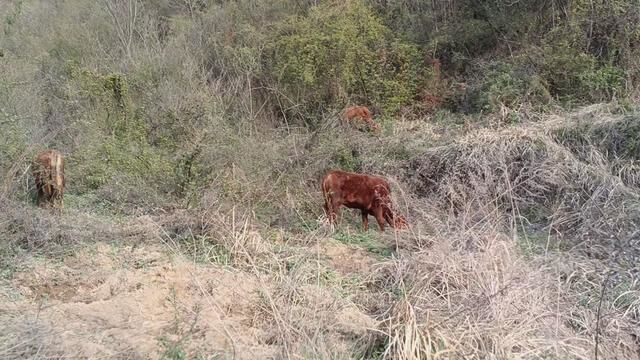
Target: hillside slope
(195, 134)
(505, 257)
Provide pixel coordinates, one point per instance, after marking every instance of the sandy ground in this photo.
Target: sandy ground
(108, 301)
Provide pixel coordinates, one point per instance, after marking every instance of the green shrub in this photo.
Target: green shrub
(539, 76)
(575, 76)
(577, 52)
(348, 159)
(114, 135)
(472, 35)
(506, 84)
(339, 52)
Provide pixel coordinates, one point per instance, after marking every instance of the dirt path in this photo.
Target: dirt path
(108, 302)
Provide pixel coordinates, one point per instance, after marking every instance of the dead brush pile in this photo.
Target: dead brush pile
(617, 138)
(539, 183)
(492, 302)
(24, 227)
(532, 250)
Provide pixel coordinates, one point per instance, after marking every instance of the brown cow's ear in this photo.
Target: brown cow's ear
(376, 197)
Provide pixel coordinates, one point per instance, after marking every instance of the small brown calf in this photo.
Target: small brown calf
(360, 112)
(370, 194)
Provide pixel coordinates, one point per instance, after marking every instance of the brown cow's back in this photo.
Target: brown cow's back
(48, 174)
(353, 112)
(352, 184)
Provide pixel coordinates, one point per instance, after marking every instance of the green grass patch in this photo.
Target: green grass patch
(366, 240)
(204, 249)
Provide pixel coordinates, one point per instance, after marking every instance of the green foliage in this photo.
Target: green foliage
(573, 74)
(504, 84)
(340, 51)
(114, 135)
(190, 175)
(575, 52)
(473, 36)
(347, 159)
(111, 93)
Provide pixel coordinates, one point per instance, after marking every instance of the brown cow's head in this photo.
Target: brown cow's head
(399, 222)
(383, 199)
(394, 219)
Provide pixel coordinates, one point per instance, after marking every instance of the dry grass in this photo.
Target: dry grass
(526, 174)
(513, 252)
(538, 246)
(494, 302)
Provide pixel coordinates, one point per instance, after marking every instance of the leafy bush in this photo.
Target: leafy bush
(506, 84)
(348, 159)
(575, 75)
(578, 52)
(114, 136)
(341, 52)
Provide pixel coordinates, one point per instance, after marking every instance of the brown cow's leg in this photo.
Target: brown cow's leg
(39, 196)
(365, 220)
(335, 210)
(43, 195)
(58, 200)
(331, 208)
(328, 212)
(44, 201)
(49, 194)
(379, 218)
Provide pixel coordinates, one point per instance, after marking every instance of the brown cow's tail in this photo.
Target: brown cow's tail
(49, 177)
(325, 191)
(59, 171)
(326, 194)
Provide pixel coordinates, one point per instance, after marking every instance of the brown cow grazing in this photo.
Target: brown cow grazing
(362, 113)
(370, 194)
(48, 174)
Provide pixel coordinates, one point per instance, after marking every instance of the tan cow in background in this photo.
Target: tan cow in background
(48, 173)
